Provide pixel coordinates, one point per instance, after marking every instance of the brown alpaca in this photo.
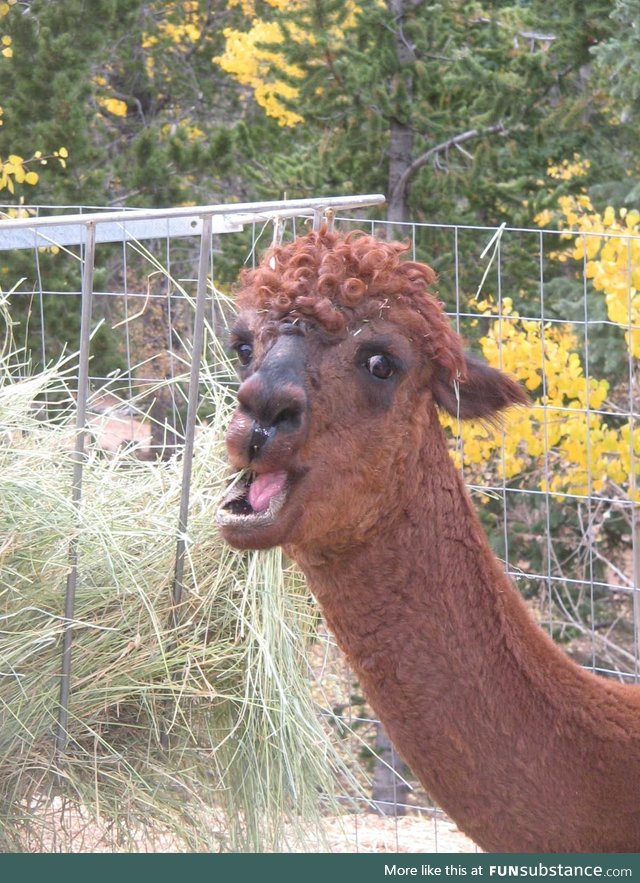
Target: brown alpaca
(345, 357)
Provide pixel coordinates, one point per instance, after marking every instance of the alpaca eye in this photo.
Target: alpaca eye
(380, 367)
(245, 353)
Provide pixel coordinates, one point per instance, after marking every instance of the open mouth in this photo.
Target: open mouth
(254, 499)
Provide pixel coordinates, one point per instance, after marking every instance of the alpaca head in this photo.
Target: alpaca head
(344, 358)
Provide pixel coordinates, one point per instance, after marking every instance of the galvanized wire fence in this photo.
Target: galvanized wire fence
(565, 518)
(133, 291)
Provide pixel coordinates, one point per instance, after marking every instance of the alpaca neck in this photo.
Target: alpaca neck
(500, 726)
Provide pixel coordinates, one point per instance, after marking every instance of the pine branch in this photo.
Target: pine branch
(433, 152)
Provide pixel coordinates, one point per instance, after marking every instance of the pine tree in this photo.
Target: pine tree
(451, 108)
(128, 87)
(47, 89)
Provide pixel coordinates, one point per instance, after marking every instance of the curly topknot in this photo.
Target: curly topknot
(337, 280)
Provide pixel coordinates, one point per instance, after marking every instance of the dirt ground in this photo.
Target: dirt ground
(71, 830)
(370, 833)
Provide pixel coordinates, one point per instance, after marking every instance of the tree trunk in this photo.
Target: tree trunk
(400, 155)
(400, 127)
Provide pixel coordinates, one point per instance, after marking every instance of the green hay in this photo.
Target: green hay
(248, 764)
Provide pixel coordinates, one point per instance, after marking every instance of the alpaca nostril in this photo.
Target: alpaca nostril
(280, 408)
(288, 419)
(270, 410)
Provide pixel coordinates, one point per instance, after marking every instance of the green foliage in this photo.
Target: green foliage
(604, 348)
(619, 55)
(46, 90)
(147, 116)
(136, 101)
(443, 69)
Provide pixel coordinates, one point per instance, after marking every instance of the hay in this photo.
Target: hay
(229, 684)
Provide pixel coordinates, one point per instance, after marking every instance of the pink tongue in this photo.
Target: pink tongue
(264, 488)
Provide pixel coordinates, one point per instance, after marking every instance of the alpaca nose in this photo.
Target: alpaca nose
(276, 411)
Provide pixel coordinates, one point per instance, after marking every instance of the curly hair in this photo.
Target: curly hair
(338, 280)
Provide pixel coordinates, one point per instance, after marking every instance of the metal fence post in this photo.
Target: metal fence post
(189, 435)
(192, 409)
(76, 488)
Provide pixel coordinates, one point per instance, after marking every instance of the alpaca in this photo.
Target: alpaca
(345, 357)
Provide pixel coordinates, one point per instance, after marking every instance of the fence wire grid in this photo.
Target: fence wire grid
(560, 505)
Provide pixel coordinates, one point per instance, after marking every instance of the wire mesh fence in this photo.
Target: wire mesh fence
(562, 485)
(139, 295)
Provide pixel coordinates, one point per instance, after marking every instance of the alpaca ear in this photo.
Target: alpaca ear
(481, 393)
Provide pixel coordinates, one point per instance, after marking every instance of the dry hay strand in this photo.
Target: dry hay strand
(223, 680)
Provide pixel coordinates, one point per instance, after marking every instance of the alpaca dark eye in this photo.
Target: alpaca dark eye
(245, 353)
(380, 366)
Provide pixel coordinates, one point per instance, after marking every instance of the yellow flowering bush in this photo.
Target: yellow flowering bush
(180, 24)
(607, 245)
(109, 102)
(261, 69)
(15, 169)
(568, 169)
(562, 443)
(575, 439)
(611, 260)
(179, 27)
(265, 71)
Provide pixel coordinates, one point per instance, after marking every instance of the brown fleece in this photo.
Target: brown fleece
(523, 748)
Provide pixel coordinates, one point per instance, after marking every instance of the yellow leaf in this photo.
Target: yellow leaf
(632, 218)
(113, 105)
